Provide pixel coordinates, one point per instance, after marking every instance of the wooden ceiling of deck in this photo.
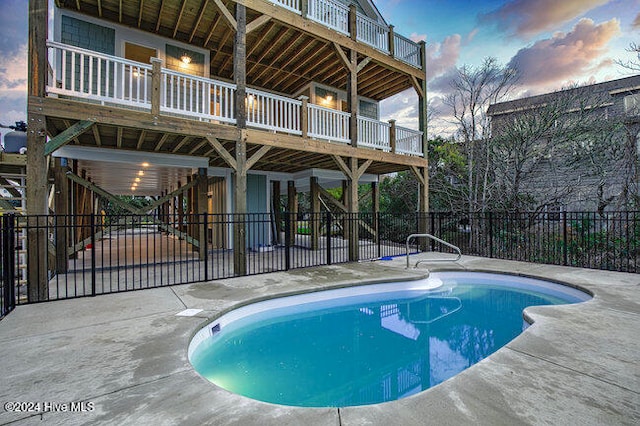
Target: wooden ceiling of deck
(280, 57)
(142, 140)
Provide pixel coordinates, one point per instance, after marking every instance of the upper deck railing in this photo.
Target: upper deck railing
(105, 79)
(335, 15)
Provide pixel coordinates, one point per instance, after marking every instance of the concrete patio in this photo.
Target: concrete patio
(126, 356)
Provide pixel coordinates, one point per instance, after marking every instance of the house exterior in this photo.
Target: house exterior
(227, 104)
(598, 169)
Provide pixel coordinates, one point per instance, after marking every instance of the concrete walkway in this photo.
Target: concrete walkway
(125, 356)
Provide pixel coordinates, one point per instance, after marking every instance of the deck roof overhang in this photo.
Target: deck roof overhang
(284, 53)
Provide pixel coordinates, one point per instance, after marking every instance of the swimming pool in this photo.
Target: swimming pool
(367, 344)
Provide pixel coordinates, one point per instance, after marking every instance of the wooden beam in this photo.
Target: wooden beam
(36, 191)
(63, 138)
(358, 174)
(363, 64)
(120, 12)
(417, 86)
(343, 166)
(119, 137)
(141, 138)
(100, 8)
(227, 15)
(197, 147)
(418, 175)
(181, 144)
(257, 23)
(212, 30)
(257, 156)
(96, 135)
(198, 20)
(161, 142)
(140, 13)
(345, 61)
(159, 16)
(177, 24)
(240, 67)
(226, 156)
(332, 199)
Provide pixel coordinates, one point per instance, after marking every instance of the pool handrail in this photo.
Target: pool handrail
(434, 238)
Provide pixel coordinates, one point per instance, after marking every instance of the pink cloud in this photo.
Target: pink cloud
(443, 56)
(418, 37)
(636, 22)
(566, 56)
(526, 18)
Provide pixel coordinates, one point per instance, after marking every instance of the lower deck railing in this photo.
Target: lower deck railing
(94, 254)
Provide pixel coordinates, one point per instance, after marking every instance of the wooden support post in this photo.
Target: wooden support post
(36, 192)
(422, 104)
(203, 208)
(352, 206)
(240, 66)
(352, 97)
(180, 210)
(315, 213)
(61, 204)
(277, 211)
(375, 207)
(304, 116)
(240, 208)
(353, 16)
(240, 195)
(304, 6)
(392, 41)
(392, 136)
(292, 207)
(156, 82)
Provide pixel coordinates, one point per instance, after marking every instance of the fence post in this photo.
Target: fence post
(8, 263)
(490, 218)
(329, 238)
(287, 241)
(378, 230)
(204, 245)
(432, 229)
(92, 218)
(565, 253)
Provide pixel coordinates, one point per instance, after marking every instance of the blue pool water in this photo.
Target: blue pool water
(368, 344)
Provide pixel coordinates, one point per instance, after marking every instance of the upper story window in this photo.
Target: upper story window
(368, 109)
(632, 104)
(139, 53)
(184, 60)
(88, 36)
(326, 98)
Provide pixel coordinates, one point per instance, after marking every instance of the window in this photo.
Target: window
(632, 104)
(138, 53)
(326, 98)
(368, 109)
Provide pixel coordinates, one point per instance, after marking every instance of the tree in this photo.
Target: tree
(473, 90)
(542, 152)
(632, 64)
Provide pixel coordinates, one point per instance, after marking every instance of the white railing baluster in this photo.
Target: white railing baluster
(372, 33)
(330, 13)
(329, 124)
(409, 141)
(407, 51)
(373, 134)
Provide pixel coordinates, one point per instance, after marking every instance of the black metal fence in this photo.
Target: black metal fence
(609, 241)
(99, 254)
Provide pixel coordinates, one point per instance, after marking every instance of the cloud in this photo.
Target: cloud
(14, 24)
(403, 108)
(565, 56)
(441, 57)
(636, 22)
(418, 37)
(526, 18)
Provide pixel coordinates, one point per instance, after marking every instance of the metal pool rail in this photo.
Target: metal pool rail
(431, 237)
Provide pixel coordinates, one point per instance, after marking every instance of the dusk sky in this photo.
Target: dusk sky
(554, 43)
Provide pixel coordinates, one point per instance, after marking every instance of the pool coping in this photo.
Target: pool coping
(577, 364)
